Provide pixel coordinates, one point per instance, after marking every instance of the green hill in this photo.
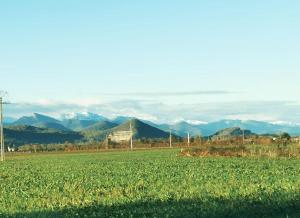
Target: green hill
(140, 130)
(20, 135)
(231, 133)
(94, 132)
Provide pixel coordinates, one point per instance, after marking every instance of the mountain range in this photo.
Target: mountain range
(82, 121)
(93, 127)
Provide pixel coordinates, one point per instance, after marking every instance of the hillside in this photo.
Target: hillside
(94, 132)
(20, 135)
(228, 133)
(100, 126)
(55, 126)
(142, 130)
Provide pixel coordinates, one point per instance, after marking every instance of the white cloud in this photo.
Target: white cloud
(245, 117)
(196, 122)
(192, 122)
(281, 122)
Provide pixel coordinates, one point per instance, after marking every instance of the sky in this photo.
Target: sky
(162, 60)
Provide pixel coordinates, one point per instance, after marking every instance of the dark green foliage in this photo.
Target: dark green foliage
(285, 136)
(283, 139)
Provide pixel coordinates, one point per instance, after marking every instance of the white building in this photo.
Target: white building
(119, 136)
(10, 149)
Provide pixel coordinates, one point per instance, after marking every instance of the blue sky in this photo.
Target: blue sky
(164, 60)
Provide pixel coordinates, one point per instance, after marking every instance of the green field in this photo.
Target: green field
(155, 183)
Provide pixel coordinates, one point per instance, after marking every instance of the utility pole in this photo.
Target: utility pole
(1, 130)
(170, 138)
(243, 136)
(131, 141)
(200, 138)
(188, 139)
(106, 142)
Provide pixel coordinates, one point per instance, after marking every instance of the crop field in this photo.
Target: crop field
(150, 183)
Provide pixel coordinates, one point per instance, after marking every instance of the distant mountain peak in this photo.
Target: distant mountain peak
(36, 118)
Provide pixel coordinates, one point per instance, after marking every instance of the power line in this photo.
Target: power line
(2, 146)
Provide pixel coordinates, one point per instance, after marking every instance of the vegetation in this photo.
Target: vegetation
(147, 184)
(94, 145)
(291, 150)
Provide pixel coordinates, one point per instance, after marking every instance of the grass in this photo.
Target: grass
(153, 183)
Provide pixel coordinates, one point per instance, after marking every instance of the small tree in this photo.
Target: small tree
(284, 139)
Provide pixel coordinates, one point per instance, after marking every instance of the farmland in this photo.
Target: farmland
(148, 183)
